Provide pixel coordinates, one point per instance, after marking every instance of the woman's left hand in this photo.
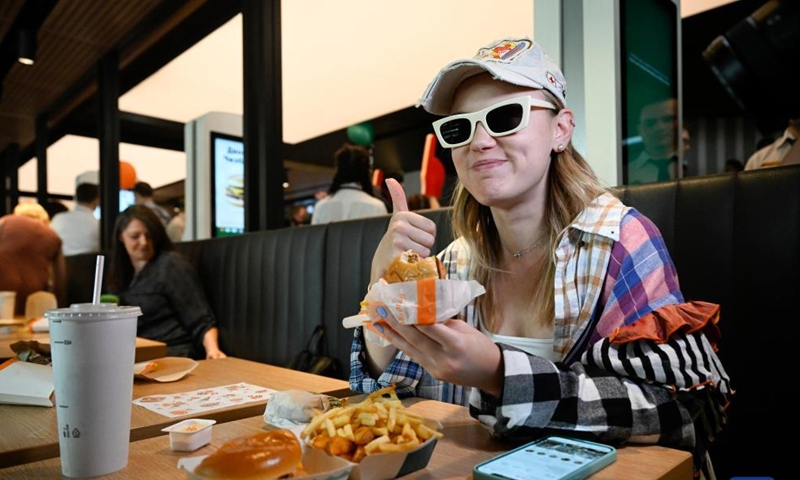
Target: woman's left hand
(451, 351)
(214, 354)
(211, 344)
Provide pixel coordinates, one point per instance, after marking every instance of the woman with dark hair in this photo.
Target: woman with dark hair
(146, 272)
(350, 195)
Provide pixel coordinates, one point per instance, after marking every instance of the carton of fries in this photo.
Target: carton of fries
(381, 437)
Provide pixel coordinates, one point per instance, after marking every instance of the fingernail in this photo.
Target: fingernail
(382, 312)
(378, 327)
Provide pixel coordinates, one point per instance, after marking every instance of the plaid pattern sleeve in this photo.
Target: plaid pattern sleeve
(403, 372)
(641, 276)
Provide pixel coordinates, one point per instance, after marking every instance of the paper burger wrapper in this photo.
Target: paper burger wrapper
(422, 302)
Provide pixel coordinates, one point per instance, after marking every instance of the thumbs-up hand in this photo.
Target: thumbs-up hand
(407, 231)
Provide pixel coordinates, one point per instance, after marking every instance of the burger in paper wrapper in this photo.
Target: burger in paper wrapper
(415, 292)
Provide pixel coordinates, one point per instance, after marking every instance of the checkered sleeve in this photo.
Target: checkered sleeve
(403, 372)
(601, 396)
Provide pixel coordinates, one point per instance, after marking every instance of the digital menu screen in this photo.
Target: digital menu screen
(227, 185)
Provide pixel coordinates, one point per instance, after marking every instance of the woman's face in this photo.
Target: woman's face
(138, 244)
(504, 171)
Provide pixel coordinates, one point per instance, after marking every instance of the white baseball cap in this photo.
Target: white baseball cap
(517, 61)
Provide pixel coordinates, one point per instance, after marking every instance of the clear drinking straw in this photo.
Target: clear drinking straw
(98, 279)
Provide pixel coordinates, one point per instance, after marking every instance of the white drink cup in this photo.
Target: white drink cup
(93, 349)
(7, 304)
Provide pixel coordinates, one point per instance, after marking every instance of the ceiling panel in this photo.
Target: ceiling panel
(73, 38)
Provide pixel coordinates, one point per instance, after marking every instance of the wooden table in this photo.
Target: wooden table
(145, 349)
(28, 434)
(465, 444)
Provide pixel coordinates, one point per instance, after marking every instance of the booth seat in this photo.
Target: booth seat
(734, 238)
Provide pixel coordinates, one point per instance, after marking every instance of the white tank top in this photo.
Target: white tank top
(541, 347)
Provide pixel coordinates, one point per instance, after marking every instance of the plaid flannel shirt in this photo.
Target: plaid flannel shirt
(612, 268)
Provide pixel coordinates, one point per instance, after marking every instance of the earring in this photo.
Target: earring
(560, 148)
(572, 121)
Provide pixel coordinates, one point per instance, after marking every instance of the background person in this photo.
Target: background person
(177, 224)
(54, 207)
(418, 201)
(784, 150)
(78, 229)
(658, 127)
(350, 195)
(573, 279)
(30, 255)
(143, 195)
(146, 272)
(299, 216)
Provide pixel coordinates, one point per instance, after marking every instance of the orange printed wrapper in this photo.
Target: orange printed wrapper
(421, 302)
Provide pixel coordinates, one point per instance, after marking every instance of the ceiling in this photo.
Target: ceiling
(149, 34)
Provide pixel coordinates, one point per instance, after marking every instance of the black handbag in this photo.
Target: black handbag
(314, 359)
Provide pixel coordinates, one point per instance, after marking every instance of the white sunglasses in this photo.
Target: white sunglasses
(502, 118)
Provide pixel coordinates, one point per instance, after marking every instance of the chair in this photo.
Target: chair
(38, 303)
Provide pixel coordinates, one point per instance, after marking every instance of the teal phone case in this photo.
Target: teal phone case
(549, 458)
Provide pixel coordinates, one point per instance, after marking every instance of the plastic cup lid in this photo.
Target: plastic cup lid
(92, 311)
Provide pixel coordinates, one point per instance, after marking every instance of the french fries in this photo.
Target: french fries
(379, 424)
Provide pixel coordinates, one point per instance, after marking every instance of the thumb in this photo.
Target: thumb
(399, 202)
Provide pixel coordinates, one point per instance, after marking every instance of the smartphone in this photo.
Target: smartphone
(550, 458)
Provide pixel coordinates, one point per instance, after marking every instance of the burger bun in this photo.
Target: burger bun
(410, 267)
(266, 455)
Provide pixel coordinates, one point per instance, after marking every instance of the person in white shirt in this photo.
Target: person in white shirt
(78, 229)
(350, 195)
(783, 151)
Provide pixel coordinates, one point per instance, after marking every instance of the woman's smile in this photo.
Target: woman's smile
(487, 165)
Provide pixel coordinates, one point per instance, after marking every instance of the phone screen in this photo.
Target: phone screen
(547, 459)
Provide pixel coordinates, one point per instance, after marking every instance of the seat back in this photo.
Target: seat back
(265, 289)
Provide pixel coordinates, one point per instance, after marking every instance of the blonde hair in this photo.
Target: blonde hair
(33, 210)
(571, 184)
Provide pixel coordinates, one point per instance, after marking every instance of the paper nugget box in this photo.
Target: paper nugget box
(386, 466)
(321, 466)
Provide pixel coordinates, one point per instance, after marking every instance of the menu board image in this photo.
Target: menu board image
(227, 183)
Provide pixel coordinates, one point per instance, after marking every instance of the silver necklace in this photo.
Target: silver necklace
(533, 246)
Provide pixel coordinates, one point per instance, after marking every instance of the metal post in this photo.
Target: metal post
(108, 134)
(41, 160)
(263, 111)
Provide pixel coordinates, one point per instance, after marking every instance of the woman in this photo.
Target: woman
(566, 337)
(148, 273)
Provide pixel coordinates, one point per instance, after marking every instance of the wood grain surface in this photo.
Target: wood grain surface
(28, 434)
(465, 444)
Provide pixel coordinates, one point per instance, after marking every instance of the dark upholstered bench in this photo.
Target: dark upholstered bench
(266, 289)
(735, 239)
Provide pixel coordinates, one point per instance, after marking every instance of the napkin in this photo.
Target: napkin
(25, 383)
(289, 408)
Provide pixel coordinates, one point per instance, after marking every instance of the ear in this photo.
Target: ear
(563, 124)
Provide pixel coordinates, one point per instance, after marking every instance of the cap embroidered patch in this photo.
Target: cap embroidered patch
(551, 79)
(504, 51)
